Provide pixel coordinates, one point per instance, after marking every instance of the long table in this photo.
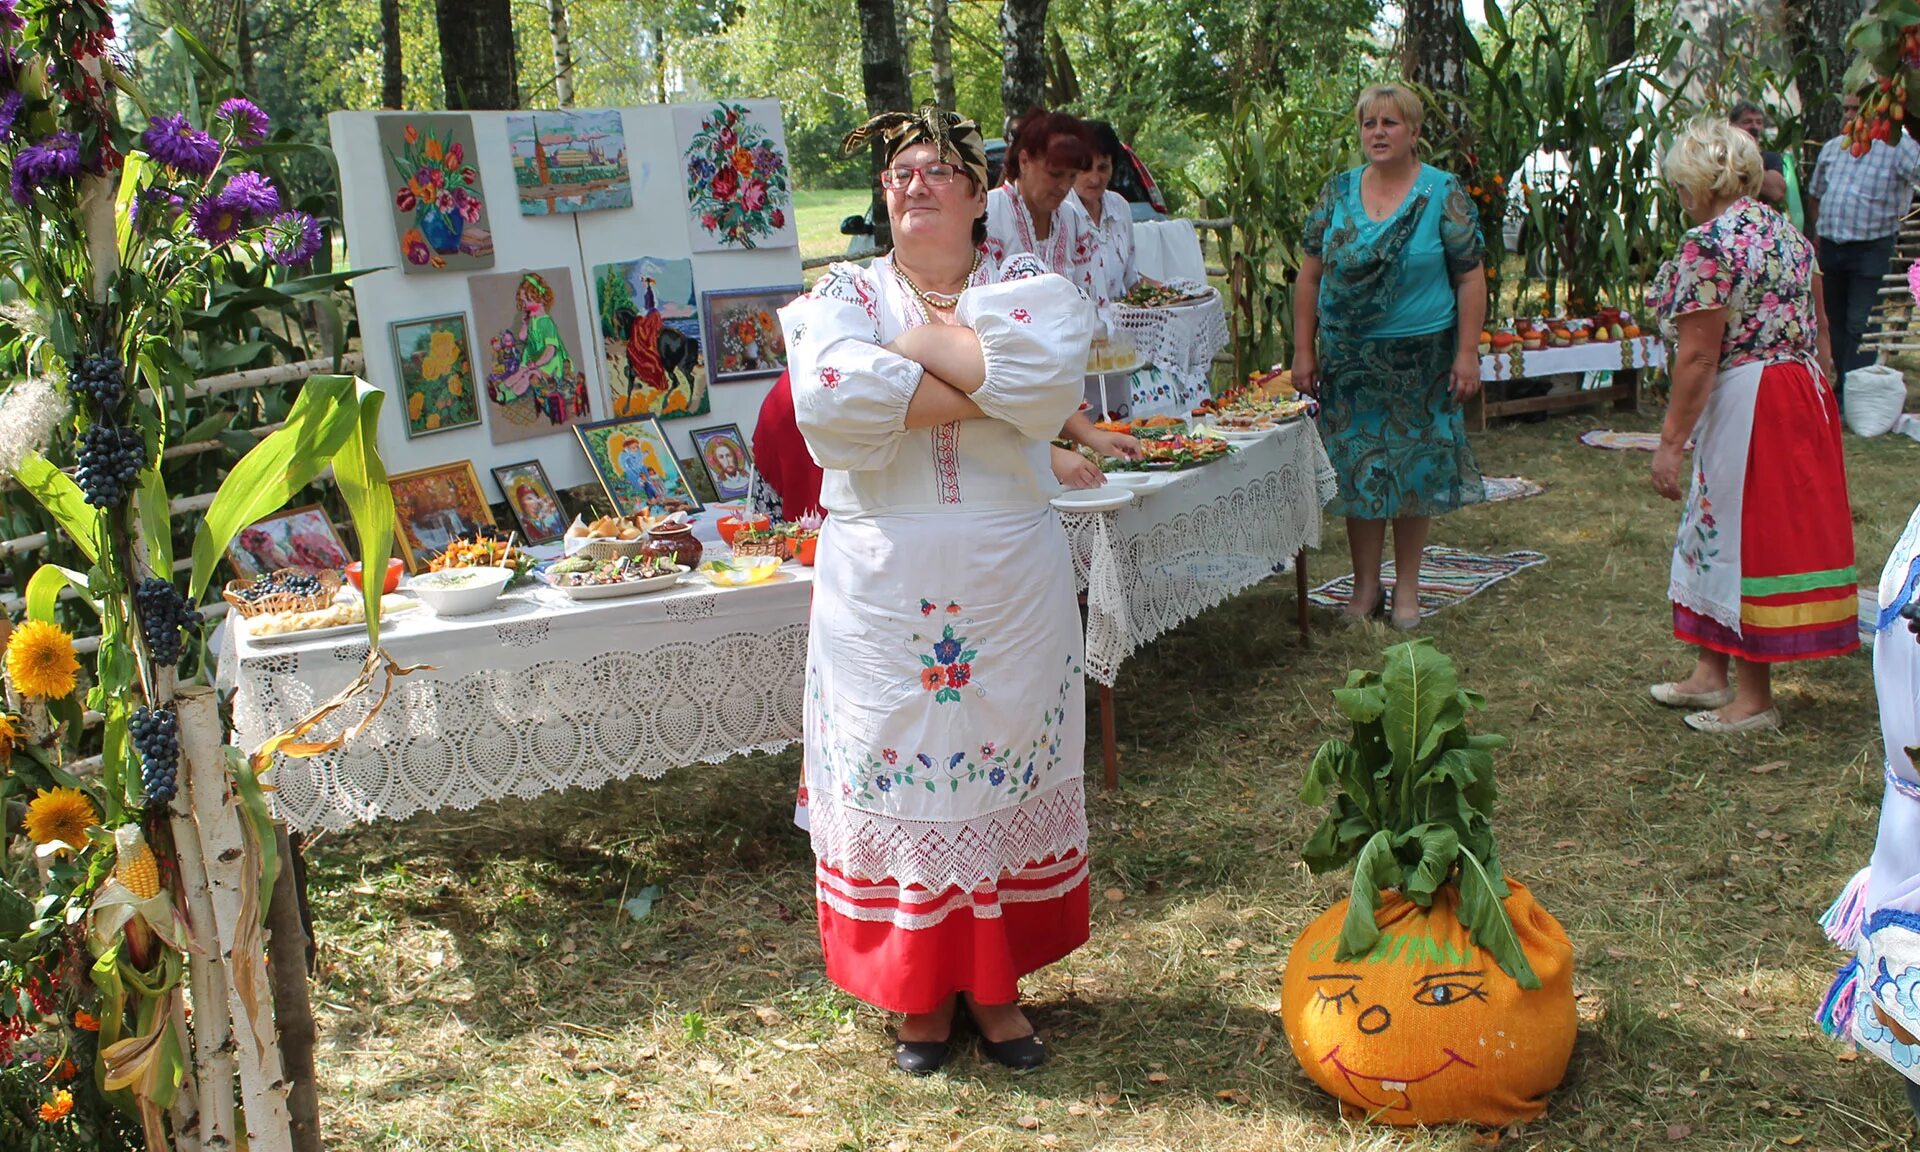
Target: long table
(1624, 358)
(542, 693)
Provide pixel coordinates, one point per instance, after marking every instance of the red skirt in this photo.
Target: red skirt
(908, 949)
(1798, 598)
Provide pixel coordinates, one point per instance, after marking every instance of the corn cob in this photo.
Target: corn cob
(135, 867)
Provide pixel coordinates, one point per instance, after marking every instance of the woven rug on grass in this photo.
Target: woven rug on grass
(1511, 488)
(1447, 577)
(1621, 441)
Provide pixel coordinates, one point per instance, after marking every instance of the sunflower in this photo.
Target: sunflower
(40, 660)
(57, 1107)
(63, 814)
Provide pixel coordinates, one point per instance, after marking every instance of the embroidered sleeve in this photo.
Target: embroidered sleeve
(850, 395)
(1021, 266)
(1460, 231)
(1034, 332)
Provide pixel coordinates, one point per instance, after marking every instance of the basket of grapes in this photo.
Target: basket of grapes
(284, 590)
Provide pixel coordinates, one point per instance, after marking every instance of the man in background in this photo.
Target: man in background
(1774, 187)
(1854, 208)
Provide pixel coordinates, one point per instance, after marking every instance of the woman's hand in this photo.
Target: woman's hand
(1306, 372)
(1666, 471)
(1073, 470)
(1115, 444)
(1466, 376)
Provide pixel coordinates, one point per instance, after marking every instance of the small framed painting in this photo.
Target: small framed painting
(302, 538)
(743, 336)
(531, 500)
(436, 374)
(635, 463)
(433, 507)
(723, 454)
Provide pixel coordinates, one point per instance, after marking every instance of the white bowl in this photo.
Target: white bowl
(459, 591)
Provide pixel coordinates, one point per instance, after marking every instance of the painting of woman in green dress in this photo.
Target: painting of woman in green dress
(535, 382)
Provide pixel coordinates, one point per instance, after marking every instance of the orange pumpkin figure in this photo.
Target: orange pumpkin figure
(1426, 1028)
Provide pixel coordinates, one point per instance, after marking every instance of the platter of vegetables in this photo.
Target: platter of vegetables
(1147, 294)
(587, 579)
(483, 552)
(1173, 453)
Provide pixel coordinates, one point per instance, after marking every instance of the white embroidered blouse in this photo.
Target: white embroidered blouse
(1071, 249)
(850, 394)
(1114, 269)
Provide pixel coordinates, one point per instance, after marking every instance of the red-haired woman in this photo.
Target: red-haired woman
(1028, 212)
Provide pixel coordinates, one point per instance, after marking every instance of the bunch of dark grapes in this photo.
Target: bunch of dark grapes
(1911, 613)
(101, 379)
(155, 735)
(110, 462)
(273, 583)
(164, 615)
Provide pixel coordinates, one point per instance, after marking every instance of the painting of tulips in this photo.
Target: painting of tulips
(433, 181)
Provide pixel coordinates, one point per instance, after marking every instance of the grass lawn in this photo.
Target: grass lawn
(479, 987)
(817, 214)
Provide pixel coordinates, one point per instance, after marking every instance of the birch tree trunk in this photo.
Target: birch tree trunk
(1820, 27)
(393, 73)
(477, 58)
(562, 52)
(940, 50)
(883, 75)
(1023, 56)
(1433, 42)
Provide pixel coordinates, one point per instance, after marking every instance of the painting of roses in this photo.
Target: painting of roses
(738, 190)
(433, 181)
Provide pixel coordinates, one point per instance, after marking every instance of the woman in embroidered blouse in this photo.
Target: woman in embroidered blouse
(944, 710)
(1387, 313)
(1742, 302)
(1106, 215)
(1029, 211)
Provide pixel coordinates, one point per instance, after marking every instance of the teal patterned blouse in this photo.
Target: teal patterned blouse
(1392, 277)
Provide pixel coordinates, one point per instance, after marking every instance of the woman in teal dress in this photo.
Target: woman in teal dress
(1387, 317)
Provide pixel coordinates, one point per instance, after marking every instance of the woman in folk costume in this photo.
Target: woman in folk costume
(944, 721)
(1763, 565)
(1876, 999)
(1029, 211)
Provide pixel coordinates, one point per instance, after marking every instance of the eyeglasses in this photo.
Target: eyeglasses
(932, 175)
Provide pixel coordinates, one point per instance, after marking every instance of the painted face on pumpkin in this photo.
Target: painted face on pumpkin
(1374, 1007)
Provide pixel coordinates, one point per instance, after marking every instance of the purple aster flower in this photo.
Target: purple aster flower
(251, 194)
(181, 146)
(9, 19)
(217, 221)
(57, 158)
(249, 124)
(9, 112)
(292, 238)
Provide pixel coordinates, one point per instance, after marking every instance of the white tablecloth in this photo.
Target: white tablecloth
(1168, 250)
(1201, 537)
(1151, 391)
(1611, 355)
(539, 694)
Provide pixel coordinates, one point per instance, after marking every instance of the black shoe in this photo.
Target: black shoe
(922, 1057)
(1021, 1053)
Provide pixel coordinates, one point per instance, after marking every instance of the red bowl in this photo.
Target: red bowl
(394, 568)
(803, 549)
(729, 525)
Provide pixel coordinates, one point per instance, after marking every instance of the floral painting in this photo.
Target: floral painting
(433, 180)
(436, 374)
(744, 341)
(650, 337)
(738, 191)
(635, 464)
(433, 507)
(569, 161)
(299, 538)
(535, 381)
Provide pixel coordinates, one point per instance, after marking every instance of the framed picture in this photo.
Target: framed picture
(650, 337)
(535, 379)
(301, 538)
(569, 161)
(635, 463)
(433, 507)
(735, 159)
(744, 341)
(436, 374)
(433, 180)
(723, 453)
(531, 500)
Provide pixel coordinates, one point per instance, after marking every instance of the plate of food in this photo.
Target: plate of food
(585, 579)
(1105, 498)
(1171, 454)
(1174, 295)
(336, 620)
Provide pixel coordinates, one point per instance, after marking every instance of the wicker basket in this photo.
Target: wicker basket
(607, 547)
(778, 547)
(283, 601)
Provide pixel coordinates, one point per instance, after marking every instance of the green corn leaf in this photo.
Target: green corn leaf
(62, 499)
(133, 168)
(362, 477)
(43, 590)
(156, 522)
(253, 801)
(1487, 921)
(319, 425)
(1374, 869)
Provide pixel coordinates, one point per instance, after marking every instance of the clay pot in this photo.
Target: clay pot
(675, 542)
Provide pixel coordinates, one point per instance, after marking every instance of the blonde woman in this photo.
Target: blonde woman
(1763, 566)
(1387, 317)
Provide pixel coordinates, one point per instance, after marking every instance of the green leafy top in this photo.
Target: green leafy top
(1413, 807)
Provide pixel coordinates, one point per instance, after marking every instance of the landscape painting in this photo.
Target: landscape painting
(569, 161)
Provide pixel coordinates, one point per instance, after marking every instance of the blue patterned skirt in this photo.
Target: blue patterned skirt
(1397, 439)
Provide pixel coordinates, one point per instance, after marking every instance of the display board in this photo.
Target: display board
(582, 314)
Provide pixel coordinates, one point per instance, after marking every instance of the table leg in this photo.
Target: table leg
(1626, 390)
(1109, 751)
(1300, 590)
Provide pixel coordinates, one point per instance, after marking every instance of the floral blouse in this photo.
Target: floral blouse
(1753, 262)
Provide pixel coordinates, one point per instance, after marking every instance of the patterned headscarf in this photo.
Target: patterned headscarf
(955, 138)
